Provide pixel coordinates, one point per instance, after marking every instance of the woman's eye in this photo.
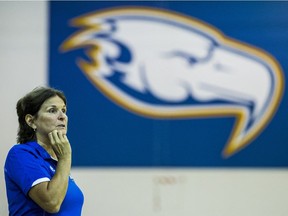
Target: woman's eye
(64, 110)
(52, 110)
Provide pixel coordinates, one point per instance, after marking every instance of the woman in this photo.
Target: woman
(37, 170)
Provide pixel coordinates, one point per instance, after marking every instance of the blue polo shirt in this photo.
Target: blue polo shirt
(30, 164)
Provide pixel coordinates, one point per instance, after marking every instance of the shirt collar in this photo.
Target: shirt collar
(40, 150)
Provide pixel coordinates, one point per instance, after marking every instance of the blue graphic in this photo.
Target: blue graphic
(117, 121)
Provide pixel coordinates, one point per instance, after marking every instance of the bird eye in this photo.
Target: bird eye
(185, 56)
(191, 60)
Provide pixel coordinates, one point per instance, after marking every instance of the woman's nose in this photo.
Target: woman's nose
(62, 115)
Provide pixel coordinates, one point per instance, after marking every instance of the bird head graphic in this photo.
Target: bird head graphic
(161, 64)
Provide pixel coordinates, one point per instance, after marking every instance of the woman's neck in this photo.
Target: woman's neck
(48, 148)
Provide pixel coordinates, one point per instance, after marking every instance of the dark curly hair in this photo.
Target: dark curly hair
(31, 104)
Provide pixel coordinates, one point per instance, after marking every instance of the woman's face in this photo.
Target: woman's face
(51, 116)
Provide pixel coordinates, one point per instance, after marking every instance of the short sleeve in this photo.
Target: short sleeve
(25, 168)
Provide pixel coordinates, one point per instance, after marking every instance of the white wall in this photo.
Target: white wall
(22, 66)
(125, 192)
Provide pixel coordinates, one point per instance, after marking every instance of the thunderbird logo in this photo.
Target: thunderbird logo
(161, 64)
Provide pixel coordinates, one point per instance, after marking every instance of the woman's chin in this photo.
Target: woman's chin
(62, 130)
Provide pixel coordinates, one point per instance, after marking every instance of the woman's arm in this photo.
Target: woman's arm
(50, 195)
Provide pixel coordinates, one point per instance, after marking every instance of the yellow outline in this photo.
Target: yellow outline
(233, 145)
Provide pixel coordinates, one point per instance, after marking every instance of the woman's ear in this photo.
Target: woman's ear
(30, 121)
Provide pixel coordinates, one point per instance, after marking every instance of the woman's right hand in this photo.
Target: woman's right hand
(60, 144)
